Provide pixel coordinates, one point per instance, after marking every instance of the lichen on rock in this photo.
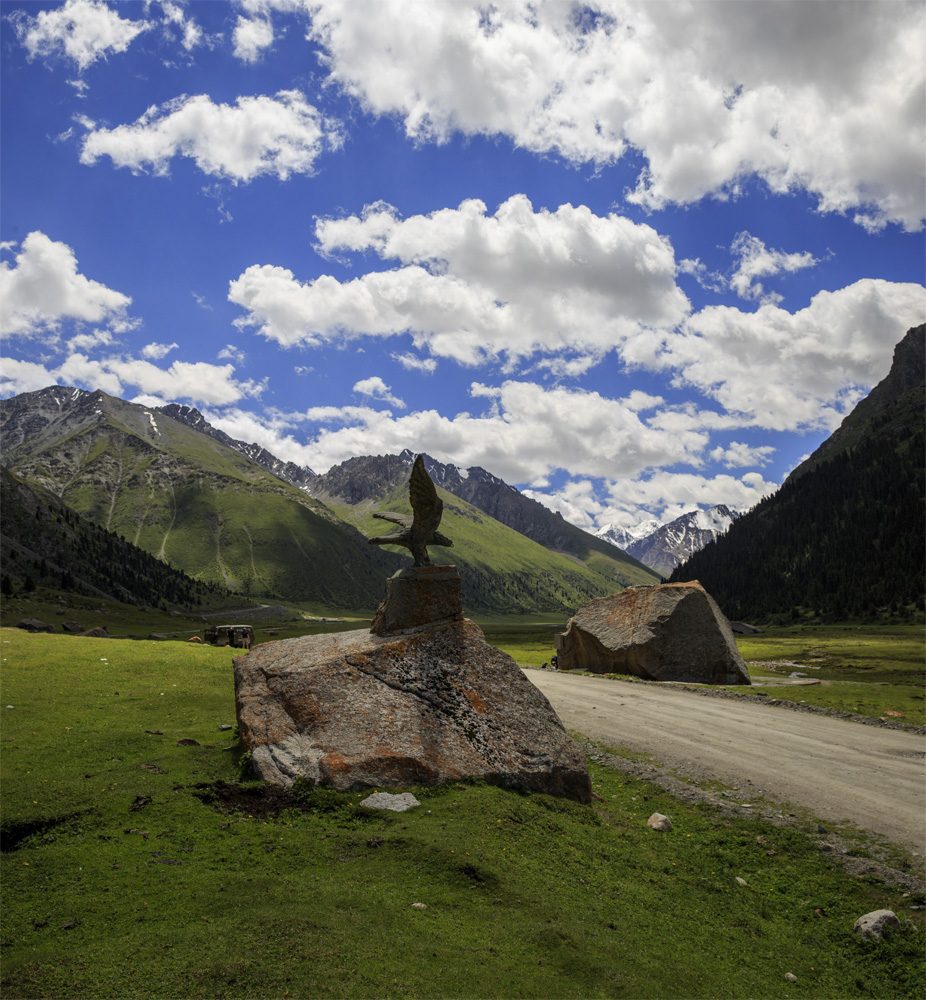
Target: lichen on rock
(433, 704)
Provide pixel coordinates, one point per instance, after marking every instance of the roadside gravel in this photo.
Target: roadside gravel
(747, 756)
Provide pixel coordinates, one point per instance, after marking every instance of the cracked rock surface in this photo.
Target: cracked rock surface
(438, 703)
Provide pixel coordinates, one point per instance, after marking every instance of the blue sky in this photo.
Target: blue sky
(632, 258)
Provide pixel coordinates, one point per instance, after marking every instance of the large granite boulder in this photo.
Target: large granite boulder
(430, 704)
(670, 632)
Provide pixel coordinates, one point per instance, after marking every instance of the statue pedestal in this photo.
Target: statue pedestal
(419, 595)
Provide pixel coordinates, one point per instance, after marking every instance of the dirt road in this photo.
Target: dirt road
(843, 771)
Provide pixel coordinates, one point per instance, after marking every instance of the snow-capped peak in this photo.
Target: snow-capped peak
(663, 546)
(620, 536)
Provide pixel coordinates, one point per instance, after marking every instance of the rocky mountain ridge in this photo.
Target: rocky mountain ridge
(623, 537)
(364, 481)
(298, 475)
(662, 547)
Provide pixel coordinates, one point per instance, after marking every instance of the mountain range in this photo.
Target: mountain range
(188, 498)
(845, 535)
(233, 515)
(662, 547)
(511, 550)
(93, 484)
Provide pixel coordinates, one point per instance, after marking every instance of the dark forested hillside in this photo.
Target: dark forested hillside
(45, 543)
(845, 538)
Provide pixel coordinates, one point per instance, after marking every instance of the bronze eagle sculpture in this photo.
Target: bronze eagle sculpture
(419, 529)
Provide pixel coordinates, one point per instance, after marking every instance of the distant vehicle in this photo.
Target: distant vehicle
(238, 636)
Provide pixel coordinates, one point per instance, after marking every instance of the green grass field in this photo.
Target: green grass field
(119, 880)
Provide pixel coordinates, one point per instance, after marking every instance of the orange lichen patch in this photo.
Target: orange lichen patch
(333, 764)
(476, 700)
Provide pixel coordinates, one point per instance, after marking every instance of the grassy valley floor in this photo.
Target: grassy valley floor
(868, 670)
(124, 877)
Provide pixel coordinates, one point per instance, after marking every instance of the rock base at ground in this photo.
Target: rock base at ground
(670, 632)
(356, 710)
(419, 595)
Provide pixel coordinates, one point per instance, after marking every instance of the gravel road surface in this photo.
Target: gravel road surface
(842, 771)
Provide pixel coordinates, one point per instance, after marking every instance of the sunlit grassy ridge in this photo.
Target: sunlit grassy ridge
(502, 569)
(123, 882)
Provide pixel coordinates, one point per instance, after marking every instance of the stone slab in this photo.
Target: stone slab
(419, 595)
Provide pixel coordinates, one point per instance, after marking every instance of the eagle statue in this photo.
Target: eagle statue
(420, 529)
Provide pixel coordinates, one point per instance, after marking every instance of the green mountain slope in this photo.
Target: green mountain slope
(188, 499)
(502, 571)
(356, 487)
(844, 536)
(44, 540)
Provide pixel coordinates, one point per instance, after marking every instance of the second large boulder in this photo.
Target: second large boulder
(671, 632)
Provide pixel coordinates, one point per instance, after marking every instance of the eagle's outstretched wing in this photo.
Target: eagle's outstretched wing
(405, 520)
(427, 506)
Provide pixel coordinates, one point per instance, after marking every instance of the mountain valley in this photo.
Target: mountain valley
(843, 536)
(234, 516)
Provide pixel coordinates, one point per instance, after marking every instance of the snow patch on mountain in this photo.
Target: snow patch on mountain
(620, 536)
(662, 547)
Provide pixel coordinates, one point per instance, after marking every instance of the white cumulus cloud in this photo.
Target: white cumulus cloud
(473, 286)
(280, 136)
(252, 35)
(660, 495)
(191, 34)
(80, 30)
(757, 261)
(412, 362)
(709, 93)
(524, 432)
(155, 351)
(740, 455)
(231, 353)
(376, 388)
(44, 288)
(793, 371)
(89, 341)
(203, 384)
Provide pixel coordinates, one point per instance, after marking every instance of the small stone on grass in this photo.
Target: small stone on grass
(396, 803)
(872, 925)
(659, 822)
